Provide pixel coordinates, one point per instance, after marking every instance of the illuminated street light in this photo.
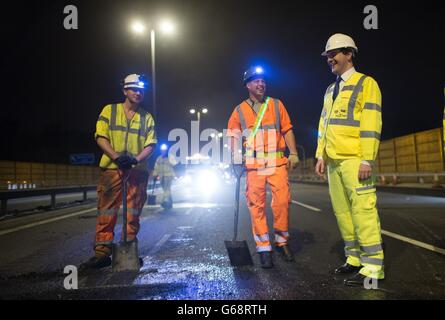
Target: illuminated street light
(138, 27)
(166, 27)
(204, 110)
(192, 111)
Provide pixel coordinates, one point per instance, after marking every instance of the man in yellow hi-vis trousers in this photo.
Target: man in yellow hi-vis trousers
(348, 141)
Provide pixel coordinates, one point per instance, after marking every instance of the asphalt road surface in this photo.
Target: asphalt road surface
(185, 256)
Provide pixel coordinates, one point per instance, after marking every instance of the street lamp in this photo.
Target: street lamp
(166, 27)
(198, 112)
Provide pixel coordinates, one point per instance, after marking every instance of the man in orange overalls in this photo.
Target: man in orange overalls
(266, 125)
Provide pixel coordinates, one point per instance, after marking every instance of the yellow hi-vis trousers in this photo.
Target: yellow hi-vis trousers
(354, 204)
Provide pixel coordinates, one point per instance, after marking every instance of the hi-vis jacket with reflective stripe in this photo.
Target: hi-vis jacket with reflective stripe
(350, 127)
(269, 144)
(125, 135)
(163, 167)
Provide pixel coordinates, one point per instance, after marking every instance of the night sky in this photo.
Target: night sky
(55, 82)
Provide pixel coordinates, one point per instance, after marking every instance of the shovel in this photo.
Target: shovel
(151, 197)
(125, 254)
(238, 251)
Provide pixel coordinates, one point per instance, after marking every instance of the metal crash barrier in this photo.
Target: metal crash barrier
(15, 194)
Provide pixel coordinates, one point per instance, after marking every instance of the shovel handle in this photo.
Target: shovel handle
(124, 205)
(235, 233)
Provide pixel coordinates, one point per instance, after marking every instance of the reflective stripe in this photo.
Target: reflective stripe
(263, 248)
(370, 134)
(107, 212)
(142, 119)
(282, 233)
(102, 118)
(250, 154)
(376, 262)
(345, 122)
(345, 88)
(352, 101)
(114, 211)
(134, 212)
(263, 238)
(103, 243)
(241, 118)
(113, 115)
(268, 127)
(122, 128)
(371, 249)
(330, 89)
(280, 239)
(365, 188)
(277, 115)
(352, 243)
(352, 253)
(372, 106)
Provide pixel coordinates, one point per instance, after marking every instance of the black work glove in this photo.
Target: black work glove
(126, 162)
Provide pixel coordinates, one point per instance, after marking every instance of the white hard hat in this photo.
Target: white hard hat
(339, 41)
(134, 81)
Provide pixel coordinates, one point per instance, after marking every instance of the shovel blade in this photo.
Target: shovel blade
(125, 256)
(151, 200)
(239, 253)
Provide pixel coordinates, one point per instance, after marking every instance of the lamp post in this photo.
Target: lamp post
(166, 27)
(198, 113)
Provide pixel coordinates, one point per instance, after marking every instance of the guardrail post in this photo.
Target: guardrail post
(383, 179)
(85, 195)
(4, 207)
(436, 181)
(53, 200)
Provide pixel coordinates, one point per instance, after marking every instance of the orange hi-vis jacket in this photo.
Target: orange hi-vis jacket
(267, 149)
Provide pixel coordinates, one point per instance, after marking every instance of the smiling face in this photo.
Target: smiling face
(134, 95)
(339, 61)
(256, 87)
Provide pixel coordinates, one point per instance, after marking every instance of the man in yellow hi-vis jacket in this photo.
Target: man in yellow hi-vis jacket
(126, 134)
(348, 141)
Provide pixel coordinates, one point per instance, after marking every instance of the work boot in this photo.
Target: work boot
(266, 259)
(166, 205)
(347, 269)
(96, 263)
(359, 280)
(285, 252)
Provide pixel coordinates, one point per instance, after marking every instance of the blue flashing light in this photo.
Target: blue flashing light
(163, 147)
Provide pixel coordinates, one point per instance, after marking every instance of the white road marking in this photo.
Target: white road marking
(306, 206)
(159, 244)
(414, 242)
(27, 226)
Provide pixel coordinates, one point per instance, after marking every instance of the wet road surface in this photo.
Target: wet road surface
(185, 256)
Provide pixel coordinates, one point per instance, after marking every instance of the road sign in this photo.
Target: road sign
(82, 158)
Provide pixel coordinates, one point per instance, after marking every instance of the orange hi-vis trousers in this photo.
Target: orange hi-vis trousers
(277, 179)
(109, 193)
